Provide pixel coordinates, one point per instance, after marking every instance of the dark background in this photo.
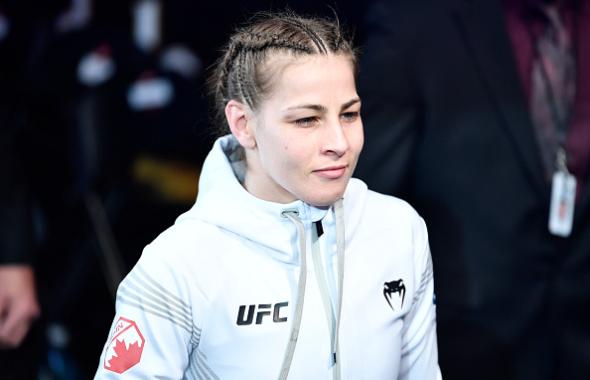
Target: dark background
(81, 150)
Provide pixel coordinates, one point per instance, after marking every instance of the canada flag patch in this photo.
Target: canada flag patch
(125, 346)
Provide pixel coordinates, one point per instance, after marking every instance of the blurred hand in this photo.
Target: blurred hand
(18, 303)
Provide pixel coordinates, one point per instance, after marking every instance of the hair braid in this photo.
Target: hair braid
(243, 81)
(245, 73)
(316, 39)
(218, 82)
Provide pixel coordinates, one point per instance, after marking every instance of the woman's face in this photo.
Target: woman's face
(308, 133)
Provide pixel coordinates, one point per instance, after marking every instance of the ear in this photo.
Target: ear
(240, 122)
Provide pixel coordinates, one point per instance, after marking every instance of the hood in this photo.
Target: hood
(224, 202)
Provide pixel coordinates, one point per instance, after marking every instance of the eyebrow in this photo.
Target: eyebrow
(349, 103)
(321, 108)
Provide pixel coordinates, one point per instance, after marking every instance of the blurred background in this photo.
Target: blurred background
(104, 126)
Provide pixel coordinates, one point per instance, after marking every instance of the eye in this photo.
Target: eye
(306, 122)
(350, 117)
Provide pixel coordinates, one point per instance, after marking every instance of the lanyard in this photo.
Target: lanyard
(561, 122)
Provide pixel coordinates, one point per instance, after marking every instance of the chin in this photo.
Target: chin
(324, 200)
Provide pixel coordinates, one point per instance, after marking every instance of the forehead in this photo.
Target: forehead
(314, 78)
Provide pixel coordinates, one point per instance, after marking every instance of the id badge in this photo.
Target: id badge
(563, 200)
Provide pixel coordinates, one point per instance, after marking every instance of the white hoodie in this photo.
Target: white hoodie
(221, 294)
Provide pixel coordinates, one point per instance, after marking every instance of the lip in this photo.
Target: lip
(332, 172)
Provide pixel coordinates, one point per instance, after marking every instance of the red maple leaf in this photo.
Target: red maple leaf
(126, 357)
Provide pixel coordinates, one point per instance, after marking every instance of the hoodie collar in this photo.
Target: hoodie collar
(224, 202)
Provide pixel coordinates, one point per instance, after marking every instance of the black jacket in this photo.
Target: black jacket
(447, 128)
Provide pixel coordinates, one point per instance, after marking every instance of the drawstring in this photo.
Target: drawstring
(339, 214)
(320, 274)
(293, 216)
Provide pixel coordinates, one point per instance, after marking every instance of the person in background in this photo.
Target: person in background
(19, 306)
(18, 296)
(285, 266)
(478, 114)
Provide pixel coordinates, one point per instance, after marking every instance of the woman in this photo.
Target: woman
(285, 266)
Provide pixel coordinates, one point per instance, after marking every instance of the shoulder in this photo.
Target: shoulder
(390, 238)
(185, 237)
(390, 218)
(186, 248)
(184, 231)
(405, 231)
(173, 268)
(380, 207)
(387, 203)
(396, 213)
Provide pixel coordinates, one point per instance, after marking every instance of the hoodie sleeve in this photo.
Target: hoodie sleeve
(153, 332)
(419, 359)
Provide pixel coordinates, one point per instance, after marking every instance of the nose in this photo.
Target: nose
(335, 139)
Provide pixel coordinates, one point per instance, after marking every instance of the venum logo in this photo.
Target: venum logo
(394, 293)
(261, 310)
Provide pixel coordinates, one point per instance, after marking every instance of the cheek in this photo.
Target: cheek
(294, 161)
(356, 139)
(361, 142)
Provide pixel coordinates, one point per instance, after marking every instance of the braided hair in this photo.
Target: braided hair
(243, 72)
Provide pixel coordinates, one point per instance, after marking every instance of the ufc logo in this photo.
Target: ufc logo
(263, 310)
